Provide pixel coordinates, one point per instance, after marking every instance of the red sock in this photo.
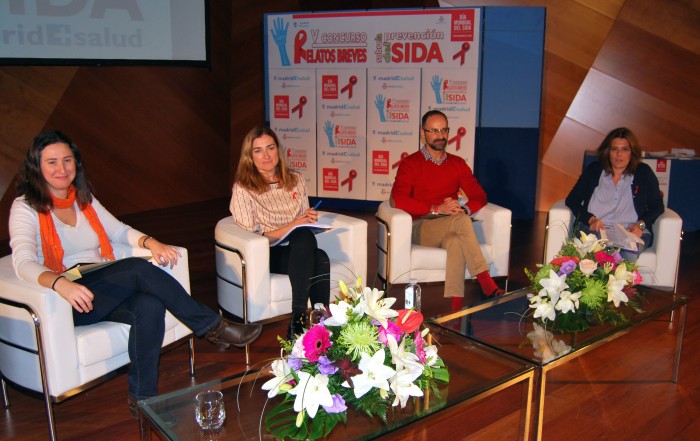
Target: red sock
(488, 286)
(456, 303)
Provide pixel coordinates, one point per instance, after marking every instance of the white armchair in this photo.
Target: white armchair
(41, 350)
(399, 260)
(247, 289)
(658, 264)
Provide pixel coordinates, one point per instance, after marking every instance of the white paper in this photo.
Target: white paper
(618, 236)
(315, 228)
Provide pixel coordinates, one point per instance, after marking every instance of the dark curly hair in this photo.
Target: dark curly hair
(32, 184)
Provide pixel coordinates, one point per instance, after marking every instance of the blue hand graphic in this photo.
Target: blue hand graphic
(279, 34)
(435, 84)
(328, 128)
(379, 101)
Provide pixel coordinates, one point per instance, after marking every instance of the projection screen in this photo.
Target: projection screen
(103, 32)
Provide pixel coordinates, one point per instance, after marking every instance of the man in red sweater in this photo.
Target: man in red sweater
(434, 182)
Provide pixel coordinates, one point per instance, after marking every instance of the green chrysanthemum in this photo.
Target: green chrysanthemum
(595, 293)
(358, 338)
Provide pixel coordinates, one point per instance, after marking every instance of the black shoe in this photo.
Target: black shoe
(496, 293)
(228, 333)
(133, 403)
(296, 326)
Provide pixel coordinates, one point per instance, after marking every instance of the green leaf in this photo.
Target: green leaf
(441, 374)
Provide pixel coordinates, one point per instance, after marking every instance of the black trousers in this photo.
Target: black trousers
(308, 268)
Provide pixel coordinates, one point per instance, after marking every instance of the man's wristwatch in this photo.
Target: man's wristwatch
(641, 224)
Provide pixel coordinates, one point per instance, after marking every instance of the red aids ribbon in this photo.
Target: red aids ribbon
(458, 137)
(461, 53)
(396, 164)
(349, 86)
(351, 176)
(300, 106)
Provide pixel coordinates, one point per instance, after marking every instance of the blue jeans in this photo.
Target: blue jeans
(308, 268)
(135, 292)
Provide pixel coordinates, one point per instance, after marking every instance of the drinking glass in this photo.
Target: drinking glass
(209, 411)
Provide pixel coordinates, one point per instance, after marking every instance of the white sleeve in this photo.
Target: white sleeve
(24, 232)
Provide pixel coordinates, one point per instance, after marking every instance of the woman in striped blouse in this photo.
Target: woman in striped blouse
(270, 199)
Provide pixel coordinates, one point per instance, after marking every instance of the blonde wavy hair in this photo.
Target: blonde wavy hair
(248, 175)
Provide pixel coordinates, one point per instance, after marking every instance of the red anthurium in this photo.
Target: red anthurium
(409, 320)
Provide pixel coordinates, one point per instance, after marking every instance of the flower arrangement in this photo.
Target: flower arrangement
(364, 354)
(582, 284)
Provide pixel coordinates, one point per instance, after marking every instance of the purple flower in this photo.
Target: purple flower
(338, 405)
(617, 256)
(567, 267)
(325, 366)
(392, 329)
(295, 363)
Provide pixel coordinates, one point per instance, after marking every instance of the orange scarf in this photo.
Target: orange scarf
(51, 243)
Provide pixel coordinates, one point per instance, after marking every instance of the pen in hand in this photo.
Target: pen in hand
(318, 204)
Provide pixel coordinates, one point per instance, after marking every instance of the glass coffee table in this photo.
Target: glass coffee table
(476, 371)
(500, 324)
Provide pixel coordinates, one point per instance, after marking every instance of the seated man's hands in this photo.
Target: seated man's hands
(450, 206)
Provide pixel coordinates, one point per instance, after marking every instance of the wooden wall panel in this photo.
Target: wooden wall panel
(28, 95)
(646, 76)
(645, 61)
(676, 21)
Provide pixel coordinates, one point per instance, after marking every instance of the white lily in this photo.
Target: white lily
(340, 313)
(282, 375)
(377, 307)
(588, 243)
(568, 302)
(615, 293)
(374, 374)
(553, 286)
(400, 356)
(621, 273)
(543, 308)
(431, 355)
(403, 386)
(311, 392)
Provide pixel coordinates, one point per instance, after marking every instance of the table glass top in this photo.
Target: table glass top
(502, 323)
(474, 370)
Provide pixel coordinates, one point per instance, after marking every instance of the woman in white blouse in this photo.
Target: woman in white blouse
(56, 223)
(270, 199)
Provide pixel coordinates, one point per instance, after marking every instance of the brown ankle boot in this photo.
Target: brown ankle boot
(229, 333)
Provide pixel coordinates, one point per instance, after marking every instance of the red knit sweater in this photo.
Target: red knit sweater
(421, 183)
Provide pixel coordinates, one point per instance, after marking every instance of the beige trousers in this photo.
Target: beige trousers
(456, 235)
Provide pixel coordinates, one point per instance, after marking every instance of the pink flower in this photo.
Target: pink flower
(392, 329)
(587, 266)
(420, 347)
(636, 278)
(316, 341)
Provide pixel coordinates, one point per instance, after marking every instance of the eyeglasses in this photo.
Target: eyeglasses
(444, 131)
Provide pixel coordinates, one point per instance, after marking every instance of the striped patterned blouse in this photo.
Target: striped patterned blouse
(271, 210)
